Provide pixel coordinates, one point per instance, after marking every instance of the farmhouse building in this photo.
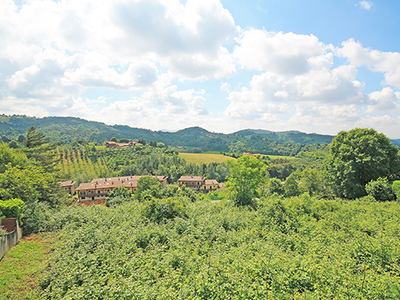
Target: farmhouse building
(198, 183)
(112, 144)
(68, 186)
(97, 190)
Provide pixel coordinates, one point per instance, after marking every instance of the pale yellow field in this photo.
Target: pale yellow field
(199, 158)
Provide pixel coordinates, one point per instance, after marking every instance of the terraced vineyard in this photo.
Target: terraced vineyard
(81, 165)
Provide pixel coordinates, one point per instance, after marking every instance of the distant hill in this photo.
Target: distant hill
(194, 139)
(287, 136)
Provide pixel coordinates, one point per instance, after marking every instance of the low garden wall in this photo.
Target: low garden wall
(11, 238)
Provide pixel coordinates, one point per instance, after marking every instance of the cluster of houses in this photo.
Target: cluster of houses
(112, 144)
(96, 191)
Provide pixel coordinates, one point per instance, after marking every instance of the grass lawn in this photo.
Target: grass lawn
(199, 158)
(22, 265)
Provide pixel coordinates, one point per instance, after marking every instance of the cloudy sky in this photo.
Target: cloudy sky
(315, 66)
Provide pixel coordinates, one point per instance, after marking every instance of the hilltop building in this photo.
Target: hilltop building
(120, 145)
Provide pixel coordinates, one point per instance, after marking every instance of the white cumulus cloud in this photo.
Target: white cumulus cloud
(366, 4)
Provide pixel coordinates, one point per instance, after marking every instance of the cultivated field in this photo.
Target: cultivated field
(200, 158)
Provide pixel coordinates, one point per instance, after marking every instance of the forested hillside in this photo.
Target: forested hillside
(195, 139)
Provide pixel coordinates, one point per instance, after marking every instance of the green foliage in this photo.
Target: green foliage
(291, 187)
(380, 189)
(247, 175)
(147, 188)
(21, 138)
(275, 187)
(297, 248)
(13, 208)
(142, 141)
(13, 145)
(30, 184)
(116, 201)
(160, 210)
(311, 182)
(118, 196)
(120, 191)
(39, 149)
(358, 156)
(10, 156)
(396, 188)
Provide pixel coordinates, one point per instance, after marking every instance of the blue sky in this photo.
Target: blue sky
(224, 65)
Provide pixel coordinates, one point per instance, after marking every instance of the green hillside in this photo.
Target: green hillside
(194, 139)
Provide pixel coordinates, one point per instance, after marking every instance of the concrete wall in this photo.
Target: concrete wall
(10, 239)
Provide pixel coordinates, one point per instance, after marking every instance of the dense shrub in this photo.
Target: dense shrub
(12, 208)
(159, 210)
(396, 188)
(297, 248)
(380, 189)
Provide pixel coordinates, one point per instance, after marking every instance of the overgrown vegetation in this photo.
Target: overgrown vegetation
(293, 248)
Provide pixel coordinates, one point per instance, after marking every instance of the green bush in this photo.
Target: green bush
(396, 188)
(380, 189)
(159, 210)
(12, 208)
(275, 187)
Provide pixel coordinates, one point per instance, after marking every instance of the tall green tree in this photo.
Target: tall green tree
(247, 174)
(148, 187)
(291, 186)
(358, 156)
(40, 149)
(311, 182)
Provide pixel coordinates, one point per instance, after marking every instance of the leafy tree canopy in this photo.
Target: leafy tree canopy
(10, 156)
(247, 175)
(358, 156)
(148, 187)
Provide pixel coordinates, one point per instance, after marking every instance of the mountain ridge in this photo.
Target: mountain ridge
(198, 139)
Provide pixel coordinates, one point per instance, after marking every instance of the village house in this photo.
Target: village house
(119, 145)
(210, 185)
(198, 183)
(68, 186)
(96, 191)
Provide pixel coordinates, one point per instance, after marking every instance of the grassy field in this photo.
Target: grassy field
(206, 158)
(21, 266)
